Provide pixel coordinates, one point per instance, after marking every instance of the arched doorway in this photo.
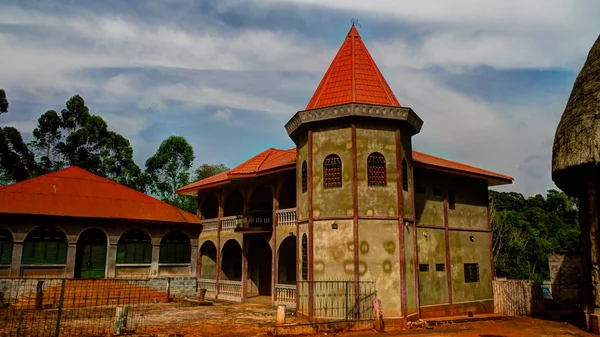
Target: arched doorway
(208, 261)
(261, 207)
(259, 268)
(90, 261)
(210, 207)
(231, 261)
(286, 261)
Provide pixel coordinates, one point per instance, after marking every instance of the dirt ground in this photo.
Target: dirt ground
(227, 319)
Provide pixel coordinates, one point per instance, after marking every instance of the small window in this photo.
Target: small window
(420, 189)
(437, 192)
(332, 171)
(134, 247)
(404, 174)
(376, 171)
(304, 178)
(45, 245)
(440, 267)
(451, 201)
(304, 258)
(471, 272)
(423, 267)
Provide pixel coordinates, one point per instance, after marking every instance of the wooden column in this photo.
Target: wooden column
(401, 253)
(310, 254)
(219, 216)
(273, 241)
(447, 241)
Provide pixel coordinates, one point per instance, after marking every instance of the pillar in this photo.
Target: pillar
(15, 265)
(111, 260)
(194, 261)
(155, 256)
(273, 242)
(71, 254)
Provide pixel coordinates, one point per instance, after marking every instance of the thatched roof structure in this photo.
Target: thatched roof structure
(576, 150)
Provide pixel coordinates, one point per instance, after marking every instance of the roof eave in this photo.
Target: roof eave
(492, 180)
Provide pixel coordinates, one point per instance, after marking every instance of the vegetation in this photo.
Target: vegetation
(77, 137)
(526, 230)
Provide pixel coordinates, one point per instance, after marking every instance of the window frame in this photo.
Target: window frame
(332, 172)
(304, 176)
(175, 248)
(38, 252)
(124, 248)
(6, 246)
(404, 174)
(304, 267)
(376, 170)
(471, 272)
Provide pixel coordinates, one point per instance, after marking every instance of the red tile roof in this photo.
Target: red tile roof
(74, 192)
(352, 77)
(266, 162)
(427, 160)
(274, 160)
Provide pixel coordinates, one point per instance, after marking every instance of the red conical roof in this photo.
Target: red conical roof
(352, 77)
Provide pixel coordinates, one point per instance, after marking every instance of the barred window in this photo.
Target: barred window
(471, 272)
(440, 267)
(175, 247)
(304, 178)
(45, 245)
(332, 171)
(423, 267)
(304, 258)
(376, 171)
(134, 246)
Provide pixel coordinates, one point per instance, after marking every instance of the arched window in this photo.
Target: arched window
(175, 247)
(332, 171)
(134, 247)
(304, 258)
(6, 246)
(304, 177)
(404, 174)
(45, 245)
(376, 172)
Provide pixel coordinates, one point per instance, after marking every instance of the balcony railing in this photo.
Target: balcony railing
(229, 223)
(260, 219)
(210, 224)
(230, 290)
(285, 294)
(209, 285)
(286, 217)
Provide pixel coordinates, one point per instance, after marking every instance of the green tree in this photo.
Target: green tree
(208, 170)
(17, 163)
(116, 157)
(47, 136)
(3, 102)
(526, 230)
(168, 169)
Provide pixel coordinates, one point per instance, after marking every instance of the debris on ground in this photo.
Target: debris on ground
(419, 324)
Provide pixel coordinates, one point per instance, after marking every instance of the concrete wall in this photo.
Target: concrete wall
(433, 284)
(411, 285)
(333, 202)
(302, 201)
(379, 261)
(376, 200)
(333, 251)
(463, 250)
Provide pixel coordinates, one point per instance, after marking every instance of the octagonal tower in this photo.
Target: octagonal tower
(355, 181)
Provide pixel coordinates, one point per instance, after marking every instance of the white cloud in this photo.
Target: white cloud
(222, 114)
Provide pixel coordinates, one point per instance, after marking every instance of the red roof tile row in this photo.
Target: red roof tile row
(274, 160)
(352, 77)
(74, 192)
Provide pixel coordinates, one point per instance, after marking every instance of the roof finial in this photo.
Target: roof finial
(355, 22)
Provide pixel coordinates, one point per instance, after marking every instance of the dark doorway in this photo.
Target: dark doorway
(286, 260)
(90, 261)
(231, 261)
(259, 267)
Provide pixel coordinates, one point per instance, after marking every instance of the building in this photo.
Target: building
(576, 171)
(352, 201)
(75, 224)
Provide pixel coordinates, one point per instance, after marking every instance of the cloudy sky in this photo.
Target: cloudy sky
(489, 78)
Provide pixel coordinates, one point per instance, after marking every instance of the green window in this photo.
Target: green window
(175, 247)
(45, 245)
(134, 247)
(6, 246)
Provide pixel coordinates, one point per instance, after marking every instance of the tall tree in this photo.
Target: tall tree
(117, 162)
(3, 102)
(17, 163)
(168, 169)
(47, 136)
(208, 170)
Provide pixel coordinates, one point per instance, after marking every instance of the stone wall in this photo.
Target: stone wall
(179, 287)
(565, 275)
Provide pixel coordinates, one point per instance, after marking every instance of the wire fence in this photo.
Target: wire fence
(74, 307)
(323, 301)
